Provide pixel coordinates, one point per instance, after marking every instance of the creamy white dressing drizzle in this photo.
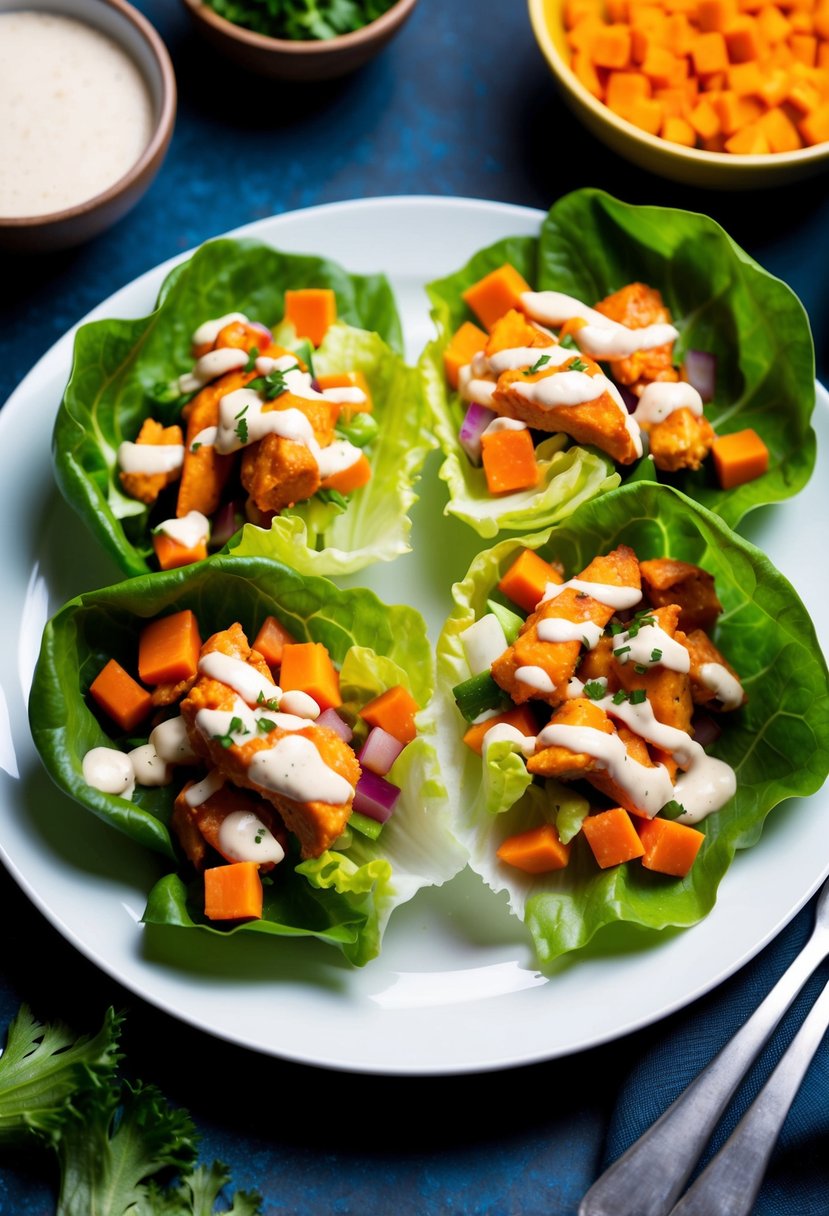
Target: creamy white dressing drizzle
(662, 397)
(295, 769)
(726, 688)
(244, 837)
(246, 681)
(504, 731)
(535, 677)
(527, 356)
(601, 337)
(558, 629)
(209, 331)
(150, 458)
(300, 704)
(204, 439)
(204, 789)
(503, 423)
(237, 724)
(191, 530)
(618, 598)
(345, 395)
(148, 766)
(570, 388)
(475, 389)
(171, 741)
(210, 366)
(243, 420)
(647, 788)
(109, 770)
(650, 641)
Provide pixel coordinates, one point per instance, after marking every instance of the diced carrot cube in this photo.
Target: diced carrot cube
(624, 88)
(351, 478)
(776, 85)
(168, 648)
(170, 554)
(307, 667)
(748, 141)
(659, 65)
(522, 718)
(537, 851)
(743, 41)
(705, 120)
(612, 837)
(464, 344)
(772, 25)
(739, 457)
(815, 126)
(735, 112)
(233, 892)
(670, 847)
(585, 70)
(804, 97)
(311, 310)
(780, 131)
(745, 79)
(611, 46)
(715, 14)
(709, 53)
(509, 461)
(679, 131)
(576, 11)
(525, 582)
(271, 639)
(348, 386)
(120, 696)
(394, 710)
(495, 294)
(804, 48)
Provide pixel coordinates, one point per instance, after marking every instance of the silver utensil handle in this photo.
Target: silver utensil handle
(729, 1184)
(648, 1178)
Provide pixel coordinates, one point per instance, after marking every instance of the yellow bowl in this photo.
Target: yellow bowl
(717, 170)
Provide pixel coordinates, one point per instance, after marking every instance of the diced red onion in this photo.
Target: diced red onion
(379, 751)
(316, 386)
(705, 729)
(701, 372)
(477, 419)
(332, 720)
(225, 523)
(375, 796)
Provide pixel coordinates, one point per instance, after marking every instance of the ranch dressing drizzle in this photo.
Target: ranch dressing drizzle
(535, 677)
(727, 688)
(204, 789)
(345, 396)
(601, 337)
(148, 767)
(245, 680)
(618, 598)
(662, 397)
(210, 366)
(244, 837)
(171, 741)
(503, 731)
(150, 458)
(77, 113)
(558, 629)
(505, 424)
(209, 331)
(651, 640)
(204, 439)
(246, 406)
(237, 724)
(648, 788)
(566, 389)
(109, 770)
(189, 531)
(475, 388)
(295, 769)
(528, 356)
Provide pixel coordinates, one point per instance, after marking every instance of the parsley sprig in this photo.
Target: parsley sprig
(542, 361)
(236, 727)
(274, 384)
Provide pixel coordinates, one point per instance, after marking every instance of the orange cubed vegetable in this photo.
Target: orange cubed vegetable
(745, 79)
(709, 53)
(343, 388)
(705, 120)
(804, 48)
(739, 457)
(168, 649)
(537, 851)
(715, 14)
(659, 65)
(772, 25)
(623, 88)
(522, 718)
(612, 837)
(170, 554)
(744, 43)
(585, 70)
(120, 696)
(464, 344)
(780, 131)
(678, 131)
(814, 128)
(233, 892)
(509, 461)
(646, 114)
(270, 641)
(307, 667)
(670, 847)
(495, 294)
(611, 46)
(394, 710)
(350, 479)
(311, 310)
(749, 140)
(526, 580)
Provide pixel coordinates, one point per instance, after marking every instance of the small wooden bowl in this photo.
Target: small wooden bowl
(287, 59)
(125, 26)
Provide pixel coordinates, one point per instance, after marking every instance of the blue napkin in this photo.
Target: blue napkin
(797, 1180)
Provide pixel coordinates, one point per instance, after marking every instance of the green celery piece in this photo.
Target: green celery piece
(365, 824)
(477, 694)
(510, 621)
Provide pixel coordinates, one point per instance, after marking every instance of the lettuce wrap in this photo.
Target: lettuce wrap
(344, 896)
(722, 302)
(126, 371)
(777, 743)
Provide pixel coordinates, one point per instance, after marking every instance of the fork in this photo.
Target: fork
(640, 1184)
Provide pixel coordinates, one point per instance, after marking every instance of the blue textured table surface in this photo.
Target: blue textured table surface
(460, 104)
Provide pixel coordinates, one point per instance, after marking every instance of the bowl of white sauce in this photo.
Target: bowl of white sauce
(88, 101)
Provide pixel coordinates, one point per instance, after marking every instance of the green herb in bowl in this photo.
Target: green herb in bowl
(301, 19)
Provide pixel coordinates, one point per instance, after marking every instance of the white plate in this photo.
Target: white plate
(455, 989)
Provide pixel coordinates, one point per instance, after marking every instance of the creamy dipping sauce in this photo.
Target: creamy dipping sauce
(77, 113)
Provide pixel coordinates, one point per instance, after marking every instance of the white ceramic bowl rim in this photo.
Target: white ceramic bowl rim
(724, 160)
(113, 17)
(310, 46)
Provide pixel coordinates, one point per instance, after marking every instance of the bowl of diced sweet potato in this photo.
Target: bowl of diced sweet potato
(719, 93)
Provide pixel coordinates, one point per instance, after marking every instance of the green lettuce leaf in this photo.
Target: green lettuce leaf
(721, 301)
(778, 743)
(567, 477)
(122, 372)
(318, 538)
(346, 897)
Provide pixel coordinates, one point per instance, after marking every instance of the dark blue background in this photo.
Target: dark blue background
(460, 104)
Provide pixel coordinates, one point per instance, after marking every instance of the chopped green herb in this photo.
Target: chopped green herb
(274, 384)
(619, 697)
(639, 668)
(265, 724)
(615, 628)
(672, 809)
(595, 690)
(620, 650)
(569, 341)
(656, 655)
(638, 623)
(194, 446)
(334, 497)
(242, 430)
(260, 835)
(272, 704)
(236, 728)
(542, 361)
(253, 355)
(637, 696)
(578, 365)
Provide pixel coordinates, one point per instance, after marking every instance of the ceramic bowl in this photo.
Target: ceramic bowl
(693, 166)
(292, 60)
(131, 31)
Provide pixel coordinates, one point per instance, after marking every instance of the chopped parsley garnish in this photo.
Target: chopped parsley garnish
(595, 690)
(274, 384)
(615, 628)
(637, 696)
(236, 728)
(578, 365)
(253, 355)
(542, 361)
(619, 697)
(569, 341)
(639, 668)
(638, 623)
(194, 446)
(656, 655)
(620, 650)
(265, 724)
(242, 430)
(672, 809)
(272, 704)
(260, 835)
(333, 496)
